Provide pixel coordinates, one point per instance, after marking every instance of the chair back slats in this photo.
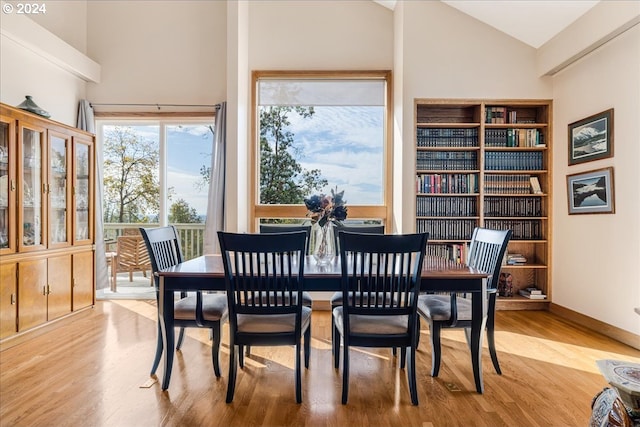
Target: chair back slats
(381, 273)
(163, 248)
(264, 272)
(487, 250)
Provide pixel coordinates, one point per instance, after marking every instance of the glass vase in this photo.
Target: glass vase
(324, 244)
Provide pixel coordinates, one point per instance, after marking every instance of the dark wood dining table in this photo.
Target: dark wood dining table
(206, 273)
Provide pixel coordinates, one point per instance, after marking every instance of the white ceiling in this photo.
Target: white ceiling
(533, 22)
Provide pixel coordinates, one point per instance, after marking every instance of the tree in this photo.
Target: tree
(181, 213)
(131, 183)
(282, 178)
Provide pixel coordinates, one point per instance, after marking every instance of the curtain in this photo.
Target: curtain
(86, 122)
(215, 207)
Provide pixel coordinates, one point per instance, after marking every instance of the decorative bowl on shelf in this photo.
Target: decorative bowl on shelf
(29, 105)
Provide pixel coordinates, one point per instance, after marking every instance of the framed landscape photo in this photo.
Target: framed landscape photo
(591, 192)
(591, 138)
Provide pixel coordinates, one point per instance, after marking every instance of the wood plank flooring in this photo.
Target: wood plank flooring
(92, 369)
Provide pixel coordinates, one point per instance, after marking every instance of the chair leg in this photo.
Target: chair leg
(492, 350)
(233, 362)
(215, 349)
(241, 356)
(333, 336)
(298, 373)
(411, 375)
(159, 348)
(345, 373)
(403, 357)
(336, 348)
(307, 346)
(180, 339)
(435, 349)
(247, 351)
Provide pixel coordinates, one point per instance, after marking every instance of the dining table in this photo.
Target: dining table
(206, 273)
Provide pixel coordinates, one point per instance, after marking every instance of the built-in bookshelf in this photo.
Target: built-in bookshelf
(487, 163)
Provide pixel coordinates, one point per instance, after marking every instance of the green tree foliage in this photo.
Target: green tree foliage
(181, 213)
(282, 179)
(130, 176)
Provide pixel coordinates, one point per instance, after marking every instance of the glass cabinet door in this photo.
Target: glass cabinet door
(7, 186)
(58, 190)
(31, 189)
(83, 193)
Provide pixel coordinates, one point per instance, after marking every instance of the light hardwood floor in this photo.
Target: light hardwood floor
(91, 370)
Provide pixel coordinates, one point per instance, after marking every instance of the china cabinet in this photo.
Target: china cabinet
(46, 220)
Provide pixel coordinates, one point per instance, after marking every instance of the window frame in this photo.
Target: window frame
(259, 211)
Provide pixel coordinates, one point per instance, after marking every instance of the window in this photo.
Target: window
(319, 131)
(156, 172)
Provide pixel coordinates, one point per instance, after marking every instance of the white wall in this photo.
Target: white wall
(164, 52)
(320, 35)
(596, 257)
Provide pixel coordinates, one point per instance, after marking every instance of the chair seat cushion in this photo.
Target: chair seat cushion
(377, 325)
(214, 307)
(438, 307)
(272, 323)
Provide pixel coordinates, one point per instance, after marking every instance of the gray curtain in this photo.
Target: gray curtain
(215, 207)
(86, 122)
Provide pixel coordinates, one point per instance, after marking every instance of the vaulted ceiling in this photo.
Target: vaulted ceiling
(533, 22)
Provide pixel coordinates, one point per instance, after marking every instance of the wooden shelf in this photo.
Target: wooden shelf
(436, 121)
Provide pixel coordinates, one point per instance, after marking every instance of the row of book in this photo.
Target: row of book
(514, 138)
(447, 160)
(502, 115)
(512, 160)
(453, 252)
(446, 206)
(447, 229)
(507, 184)
(513, 206)
(464, 183)
(522, 229)
(447, 137)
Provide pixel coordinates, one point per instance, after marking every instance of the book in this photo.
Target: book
(535, 185)
(533, 290)
(527, 294)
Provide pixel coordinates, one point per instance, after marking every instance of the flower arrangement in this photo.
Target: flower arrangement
(324, 208)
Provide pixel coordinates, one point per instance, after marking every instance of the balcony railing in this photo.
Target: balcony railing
(191, 235)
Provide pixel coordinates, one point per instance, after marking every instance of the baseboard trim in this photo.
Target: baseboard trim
(610, 331)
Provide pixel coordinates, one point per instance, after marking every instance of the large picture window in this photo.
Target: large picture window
(320, 131)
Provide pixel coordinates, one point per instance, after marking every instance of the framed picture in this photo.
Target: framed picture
(591, 192)
(591, 138)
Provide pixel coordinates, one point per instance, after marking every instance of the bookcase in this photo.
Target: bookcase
(487, 163)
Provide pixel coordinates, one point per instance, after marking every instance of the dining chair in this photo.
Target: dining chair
(264, 278)
(380, 288)
(336, 298)
(196, 311)
(453, 310)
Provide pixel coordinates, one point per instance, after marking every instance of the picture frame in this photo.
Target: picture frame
(591, 138)
(591, 192)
